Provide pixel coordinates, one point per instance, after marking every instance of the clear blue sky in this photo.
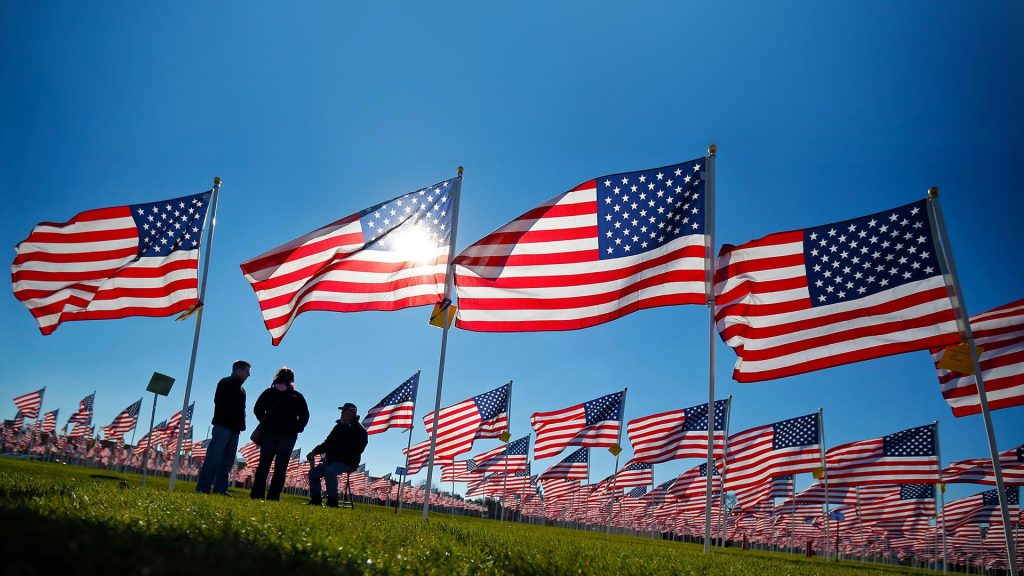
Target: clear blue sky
(821, 112)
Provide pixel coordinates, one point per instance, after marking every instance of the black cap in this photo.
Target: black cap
(347, 406)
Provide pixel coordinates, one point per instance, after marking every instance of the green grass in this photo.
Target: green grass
(55, 518)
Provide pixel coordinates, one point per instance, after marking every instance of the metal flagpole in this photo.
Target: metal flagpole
(615, 472)
(149, 440)
(508, 430)
(963, 322)
(449, 283)
(725, 446)
(824, 474)
(212, 215)
(408, 446)
(709, 290)
(942, 497)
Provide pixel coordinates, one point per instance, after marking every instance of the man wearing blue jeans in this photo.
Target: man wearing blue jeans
(228, 422)
(342, 451)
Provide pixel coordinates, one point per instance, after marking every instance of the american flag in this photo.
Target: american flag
(171, 428)
(815, 494)
(199, 448)
(1000, 332)
(575, 466)
(387, 257)
(980, 471)
(755, 496)
(786, 447)
(81, 430)
(795, 302)
(508, 458)
(556, 489)
(382, 484)
(250, 453)
(136, 260)
(419, 452)
(124, 422)
(29, 404)
(604, 249)
(152, 438)
(660, 493)
(632, 474)
(395, 410)
(904, 501)
(50, 422)
(593, 424)
(460, 471)
(483, 416)
(694, 483)
(906, 457)
(982, 508)
(677, 434)
(637, 492)
(84, 413)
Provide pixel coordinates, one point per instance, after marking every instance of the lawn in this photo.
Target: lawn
(85, 521)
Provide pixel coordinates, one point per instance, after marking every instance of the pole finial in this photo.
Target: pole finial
(460, 170)
(712, 150)
(216, 180)
(933, 192)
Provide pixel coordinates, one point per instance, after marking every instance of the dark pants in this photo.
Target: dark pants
(276, 448)
(220, 457)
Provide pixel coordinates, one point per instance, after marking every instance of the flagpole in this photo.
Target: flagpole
(709, 290)
(824, 474)
(942, 496)
(195, 338)
(449, 284)
(615, 472)
(725, 447)
(508, 430)
(963, 321)
(408, 446)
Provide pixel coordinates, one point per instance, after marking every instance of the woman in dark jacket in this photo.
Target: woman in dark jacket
(282, 413)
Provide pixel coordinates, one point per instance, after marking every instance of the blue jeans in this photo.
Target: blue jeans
(220, 457)
(276, 448)
(329, 472)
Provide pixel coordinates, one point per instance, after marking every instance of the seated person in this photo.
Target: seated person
(342, 451)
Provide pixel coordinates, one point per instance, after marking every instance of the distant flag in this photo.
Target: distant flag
(18, 422)
(905, 501)
(382, 483)
(906, 457)
(395, 410)
(509, 458)
(979, 470)
(387, 257)
(795, 302)
(460, 471)
(199, 448)
(81, 430)
(124, 422)
(632, 474)
(593, 424)
(135, 260)
(637, 492)
(171, 428)
(982, 508)
(29, 404)
(250, 453)
(660, 493)
(767, 491)
(558, 489)
(84, 413)
(999, 336)
(608, 247)
(483, 416)
(694, 483)
(50, 422)
(419, 453)
(575, 466)
(786, 447)
(677, 434)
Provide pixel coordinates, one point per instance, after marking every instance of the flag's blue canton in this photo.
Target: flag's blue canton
(400, 471)
(695, 419)
(703, 468)
(640, 211)
(991, 497)
(133, 410)
(491, 404)
(170, 225)
(917, 491)
(1020, 453)
(524, 472)
(188, 413)
(205, 443)
(664, 486)
(470, 465)
(637, 492)
(638, 466)
(86, 404)
(918, 441)
(864, 256)
(802, 431)
(296, 453)
(581, 455)
(518, 447)
(404, 393)
(423, 217)
(603, 408)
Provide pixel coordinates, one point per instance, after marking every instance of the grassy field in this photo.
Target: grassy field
(55, 518)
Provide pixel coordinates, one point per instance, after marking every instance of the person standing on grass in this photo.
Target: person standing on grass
(228, 422)
(283, 414)
(342, 451)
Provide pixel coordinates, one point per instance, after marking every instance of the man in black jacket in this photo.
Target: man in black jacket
(342, 451)
(283, 414)
(228, 421)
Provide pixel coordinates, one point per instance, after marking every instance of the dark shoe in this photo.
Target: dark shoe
(315, 501)
(224, 494)
(332, 502)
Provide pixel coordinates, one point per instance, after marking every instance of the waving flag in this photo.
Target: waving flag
(387, 257)
(999, 335)
(81, 430)
(632, 474)
(795, 302)
(171, 428)
(778, 487)
(982, 508)
(575, 466)
(786, 447)
(677, 434)
(979, 470)
(418, 454)
(29, 404)
(593, 424)
(50, 422)
(199, 448)
(905, 501)
(604, 249)
(460, 471)
(136, 260)
(483, 416)
(395, 410)
(906, 457)
(382, 484)
(123, 422)
(250, 453)
(84, 413)
(815, 494)
(694, 483)
(508, 458)
(556, 489)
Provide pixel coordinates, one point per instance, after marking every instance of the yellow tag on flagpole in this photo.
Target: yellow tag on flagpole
(504, 437)
(958, 359)
(197, 307)
(942, 487)
(615, 449)
(437, 317)
(818, 472)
